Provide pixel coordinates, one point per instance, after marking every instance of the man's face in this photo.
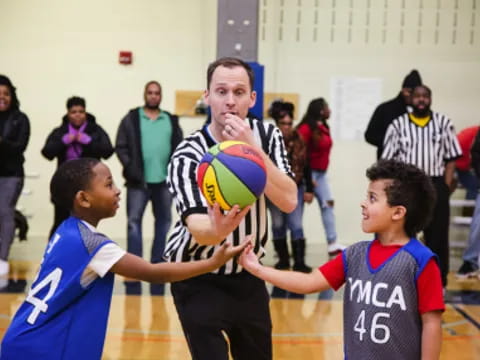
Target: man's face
(77, 115)
(229, 93)
(421, 101)
(153, 96)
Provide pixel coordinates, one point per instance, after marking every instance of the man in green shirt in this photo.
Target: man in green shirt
(146, 139)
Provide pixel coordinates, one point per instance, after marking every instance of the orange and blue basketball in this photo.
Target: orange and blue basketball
(231, 173)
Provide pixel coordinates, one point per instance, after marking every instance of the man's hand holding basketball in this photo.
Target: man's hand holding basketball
(224, 224)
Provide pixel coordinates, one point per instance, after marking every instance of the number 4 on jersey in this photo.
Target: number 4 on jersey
(40, 305)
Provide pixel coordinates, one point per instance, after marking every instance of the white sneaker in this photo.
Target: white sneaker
(335, 248)
(4, 267)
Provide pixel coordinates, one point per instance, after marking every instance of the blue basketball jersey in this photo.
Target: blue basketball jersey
(61, 319)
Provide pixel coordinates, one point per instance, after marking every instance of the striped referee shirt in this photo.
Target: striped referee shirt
(182, 183)
(428, 147)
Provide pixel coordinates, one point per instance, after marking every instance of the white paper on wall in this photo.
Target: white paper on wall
(353, 100)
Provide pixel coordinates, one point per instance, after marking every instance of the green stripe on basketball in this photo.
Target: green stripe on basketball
(232, 188)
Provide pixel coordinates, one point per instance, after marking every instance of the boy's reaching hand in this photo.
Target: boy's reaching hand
(227, 251)
(249, 260)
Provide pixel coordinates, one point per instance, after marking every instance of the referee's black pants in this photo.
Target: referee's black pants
(436, 233)
(236, 304)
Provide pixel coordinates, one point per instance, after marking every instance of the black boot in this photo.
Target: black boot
(281, 248)
(298, 248)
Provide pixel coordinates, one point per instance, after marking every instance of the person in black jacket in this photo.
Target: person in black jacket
(78, 136)
(14, 136)
(386, 112)
(146, 138)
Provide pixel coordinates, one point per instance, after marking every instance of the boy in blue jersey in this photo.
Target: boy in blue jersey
(66, 310)
(393, 297)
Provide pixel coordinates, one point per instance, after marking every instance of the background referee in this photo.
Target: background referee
(427, 139)
(229, 301)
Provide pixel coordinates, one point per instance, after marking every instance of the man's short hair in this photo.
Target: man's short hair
(76, 101)
(410, 187)
(70, 178)
(230, 62)
(423, 87)
(152, 82)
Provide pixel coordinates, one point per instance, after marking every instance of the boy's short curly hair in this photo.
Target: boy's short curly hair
(411, 188)
(71, 177)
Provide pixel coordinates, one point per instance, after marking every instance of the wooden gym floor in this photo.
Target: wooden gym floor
(146, 327)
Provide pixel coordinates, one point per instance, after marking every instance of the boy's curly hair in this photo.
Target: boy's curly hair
(411, 188)
(71, 177)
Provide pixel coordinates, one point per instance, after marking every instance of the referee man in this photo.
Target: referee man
(229, 302)
(427, 139)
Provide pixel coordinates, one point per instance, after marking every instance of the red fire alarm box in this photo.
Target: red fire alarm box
(125, 57)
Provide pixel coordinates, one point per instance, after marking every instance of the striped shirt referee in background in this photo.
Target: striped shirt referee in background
(427, 139)
(229, 301)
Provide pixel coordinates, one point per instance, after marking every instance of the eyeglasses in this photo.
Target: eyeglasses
(285, 123)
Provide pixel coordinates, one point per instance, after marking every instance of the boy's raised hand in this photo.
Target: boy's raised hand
(248, 259)
(227, 251)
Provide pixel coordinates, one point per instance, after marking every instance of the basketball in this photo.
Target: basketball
(231, 173)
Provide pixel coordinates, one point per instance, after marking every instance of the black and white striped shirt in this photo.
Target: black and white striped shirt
(428, 147)
(181, 180)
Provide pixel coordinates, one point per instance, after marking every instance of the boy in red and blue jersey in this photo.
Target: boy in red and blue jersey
(393, 297)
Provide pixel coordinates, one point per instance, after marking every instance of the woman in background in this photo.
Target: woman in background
(316, 133)
(78, 136)
(282, 113)
(14, 136)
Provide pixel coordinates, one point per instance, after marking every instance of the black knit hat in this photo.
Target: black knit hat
(412, 80)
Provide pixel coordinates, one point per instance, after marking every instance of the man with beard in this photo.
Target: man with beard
(146, 139)
(427, 139)
(386, 112)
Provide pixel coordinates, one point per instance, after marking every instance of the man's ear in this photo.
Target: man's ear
(399, 212)
(82, 199)
(253, 99)
(206, 98)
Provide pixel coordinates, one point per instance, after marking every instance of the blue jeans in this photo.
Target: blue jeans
(11, 187)
(323, 195)
(472, 251)
(470, 182)
(282, 221)
(137, 199)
